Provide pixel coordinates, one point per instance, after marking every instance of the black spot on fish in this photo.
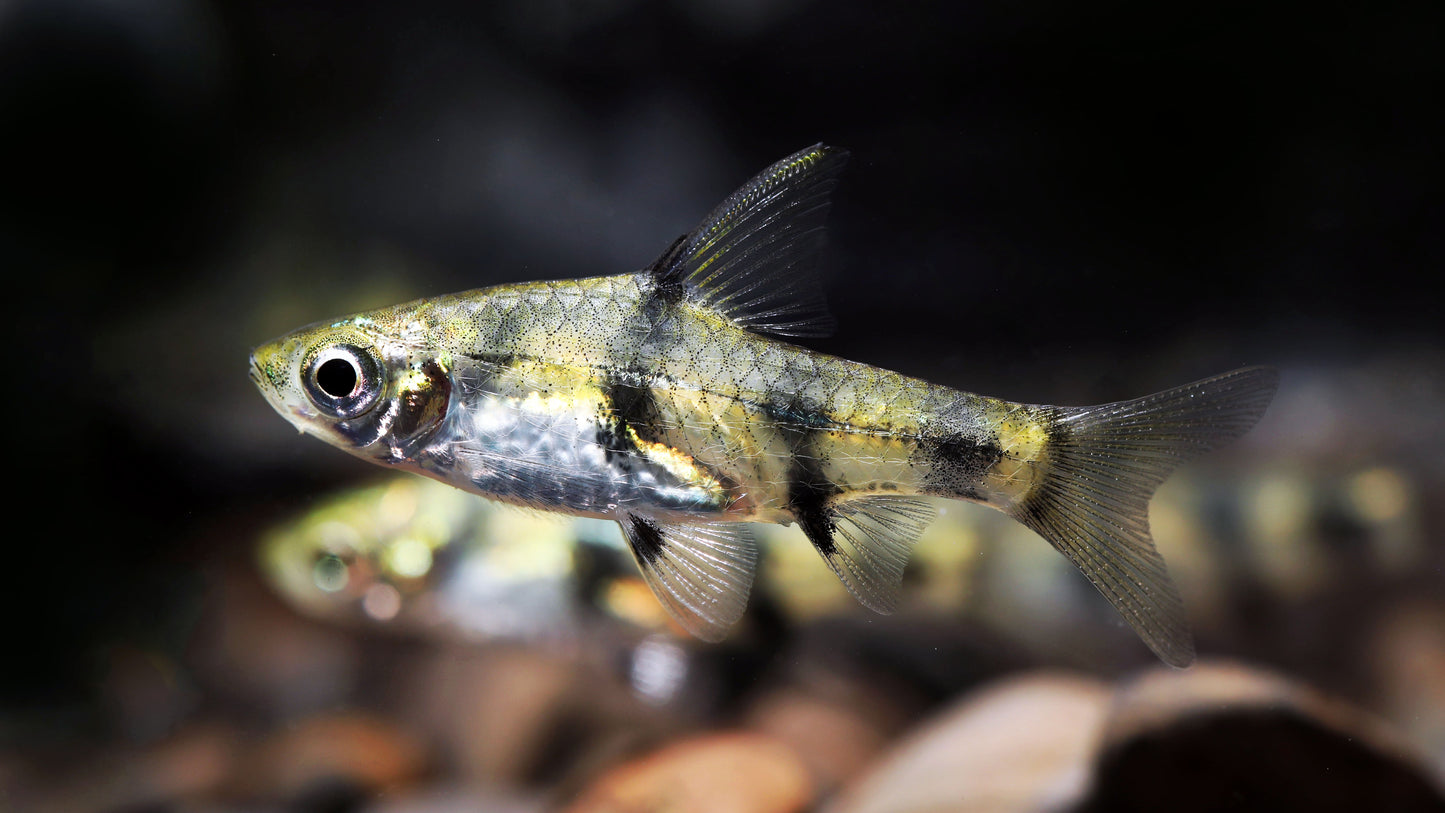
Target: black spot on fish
(967, 456)
(627, 407)
(958, 464)
(646, 539)
(809, 490)
(810, 509)
(617, 448)
(633, 405)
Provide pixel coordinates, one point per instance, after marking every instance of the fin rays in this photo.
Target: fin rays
(872, 539)
(701, 573)
(754, 257)
(1106, 461)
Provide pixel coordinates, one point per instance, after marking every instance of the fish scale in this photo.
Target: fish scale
(661, 399)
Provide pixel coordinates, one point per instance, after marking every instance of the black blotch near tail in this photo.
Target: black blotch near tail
(958, 464)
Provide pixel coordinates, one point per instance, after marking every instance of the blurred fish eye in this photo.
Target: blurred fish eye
(330, 573)
(342, 380)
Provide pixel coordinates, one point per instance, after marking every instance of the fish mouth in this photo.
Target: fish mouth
(268, 388)
(299, 415)
(264, 383)
(257, 377)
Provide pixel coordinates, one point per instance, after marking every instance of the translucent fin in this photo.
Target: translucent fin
(872, 538)
(700, 572)
(1105, 462)
(754, 258)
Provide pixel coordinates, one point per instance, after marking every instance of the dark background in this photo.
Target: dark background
(1048, 202)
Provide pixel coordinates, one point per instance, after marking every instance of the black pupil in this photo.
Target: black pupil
(336, 377)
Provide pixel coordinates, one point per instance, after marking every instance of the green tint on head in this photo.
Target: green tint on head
(353, 385)
(334, 371)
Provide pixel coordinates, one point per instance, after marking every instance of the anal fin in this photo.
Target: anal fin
(867, 541)
(701, 572)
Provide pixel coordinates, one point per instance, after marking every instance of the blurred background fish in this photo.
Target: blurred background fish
(1176, 190)
(418, 557)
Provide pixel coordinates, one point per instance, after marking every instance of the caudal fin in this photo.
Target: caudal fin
(1105, 463)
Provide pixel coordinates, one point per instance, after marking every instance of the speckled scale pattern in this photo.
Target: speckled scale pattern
(729, 409)
(655, 399)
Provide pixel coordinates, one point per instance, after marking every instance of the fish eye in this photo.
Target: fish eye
(330, 573)
(337, 377)
(342, 380)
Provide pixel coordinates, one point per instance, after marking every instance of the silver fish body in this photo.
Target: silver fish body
(657, 399)
(681, 414)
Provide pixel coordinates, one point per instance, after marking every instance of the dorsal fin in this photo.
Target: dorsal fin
(754, 258)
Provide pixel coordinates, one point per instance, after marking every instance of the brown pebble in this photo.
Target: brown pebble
(493, 710)
(835, 740)
(716, 773)
(1020, 744)
(1408, 667)
(186, 767)
(367, 753)
(1161, 698)
(1223, 736)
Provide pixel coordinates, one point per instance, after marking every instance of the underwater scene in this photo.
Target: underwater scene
(606, 447)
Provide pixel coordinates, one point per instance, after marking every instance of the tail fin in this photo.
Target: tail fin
(1105, 463)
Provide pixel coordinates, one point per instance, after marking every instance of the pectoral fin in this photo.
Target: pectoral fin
(700, 572)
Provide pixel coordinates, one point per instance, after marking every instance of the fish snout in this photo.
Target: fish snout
(257, 377)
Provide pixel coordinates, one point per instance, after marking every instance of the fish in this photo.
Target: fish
(419, 556)
(416, 555)
(672, 401)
